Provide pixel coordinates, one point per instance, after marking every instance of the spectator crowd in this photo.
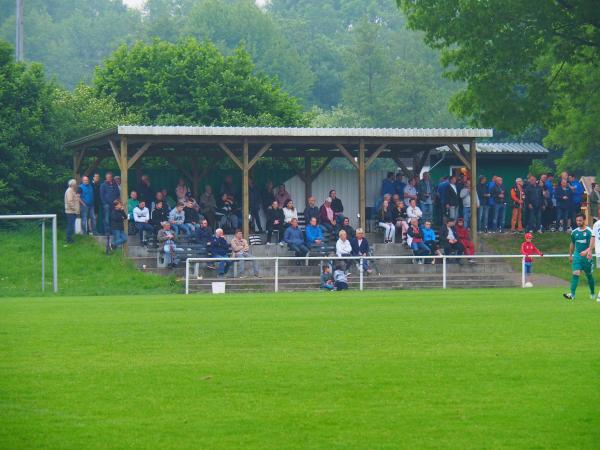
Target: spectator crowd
(407, 212)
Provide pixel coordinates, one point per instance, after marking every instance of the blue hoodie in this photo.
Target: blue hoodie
(86, 192)
(313, 233)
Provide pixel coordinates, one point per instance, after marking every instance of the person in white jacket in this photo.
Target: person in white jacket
(343, 247)
(289, 211)
(413, 211)
(141, 217)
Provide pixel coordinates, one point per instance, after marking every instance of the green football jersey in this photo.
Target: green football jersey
(581, 240)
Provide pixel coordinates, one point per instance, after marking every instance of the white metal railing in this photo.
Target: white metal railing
(360, 259)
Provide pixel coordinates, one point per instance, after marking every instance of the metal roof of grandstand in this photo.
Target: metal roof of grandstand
(504, 148)
(300, 132)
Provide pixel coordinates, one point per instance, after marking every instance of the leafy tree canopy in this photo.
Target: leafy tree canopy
(525, 64)
(192, 83)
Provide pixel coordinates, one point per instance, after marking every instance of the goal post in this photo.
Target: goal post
(43, 218)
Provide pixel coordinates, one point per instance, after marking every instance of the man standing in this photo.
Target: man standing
(465, 196)
(109, 192)
(580, 256)
(255, 201)
(533, 203)
(452, 198)
(144, 190)
(498, 194)
(98, 229)
(71, 209)
(424, 194)
(483, 192)
(517, 195)
(86, 202)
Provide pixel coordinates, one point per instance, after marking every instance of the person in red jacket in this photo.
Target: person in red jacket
(527, 249)
(464, 238)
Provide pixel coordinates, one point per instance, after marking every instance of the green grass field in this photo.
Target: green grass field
(427, 369)
(83, 268)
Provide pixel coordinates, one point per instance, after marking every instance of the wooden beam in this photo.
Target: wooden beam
(308, 177)
(186, 173)
(231, 155)
(245, 190)
(460, 156)
(138, 154)
(116, 153)
(473, 171)
(417, 169)
(195, 177)
(77, 159)
(322, 167)
(124, 183)
(94, 166)
(347, 154)
(292, 165)
(362, 185)
(464, 152)
(261, 152)
(374, 155)
(408, 173)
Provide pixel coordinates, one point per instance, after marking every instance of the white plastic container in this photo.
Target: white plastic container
(218, 287)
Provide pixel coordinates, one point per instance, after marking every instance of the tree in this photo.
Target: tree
(525, 64)
(192, 83)
(36, 118)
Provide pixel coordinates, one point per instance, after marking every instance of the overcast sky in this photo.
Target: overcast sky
(139, 3)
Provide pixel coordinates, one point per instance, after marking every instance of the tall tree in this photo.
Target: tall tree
(192, 83)
(525, 64)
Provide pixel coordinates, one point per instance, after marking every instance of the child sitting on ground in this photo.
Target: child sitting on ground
(340, 277)
(327, 279)
(527, 249)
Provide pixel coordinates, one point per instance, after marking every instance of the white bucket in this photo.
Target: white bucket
(78, 229)
(218, 287)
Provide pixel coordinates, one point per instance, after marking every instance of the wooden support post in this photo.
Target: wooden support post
(77, 159)
(362, 185)
(124, 181)
(460, 156)
(116, 153)
(231, 155)
(347, 154)
(245, 190)
(138, 154)
(473, 151)
(322, 167)
(420, 162)
(94, 166)
(374, 155)
(307, 178)
(407, 173)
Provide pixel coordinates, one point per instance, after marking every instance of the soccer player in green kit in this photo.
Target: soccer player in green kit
(580, 256)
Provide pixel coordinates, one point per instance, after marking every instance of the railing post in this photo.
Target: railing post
(43, 255)
(361, 274)
(54, 257)
(523, 272)
(187, 276)
(276, 274)
(444, 272)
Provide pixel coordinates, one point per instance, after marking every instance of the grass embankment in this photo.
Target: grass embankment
(83, 268)
(548, 243)
(502, 368)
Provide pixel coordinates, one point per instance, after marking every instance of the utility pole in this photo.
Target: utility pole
(19, 39)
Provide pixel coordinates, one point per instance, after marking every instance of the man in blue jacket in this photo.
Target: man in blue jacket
(86, 200)
(219, 248)
(576, 197)
(294, 239)
(109, 192)
(314, 234)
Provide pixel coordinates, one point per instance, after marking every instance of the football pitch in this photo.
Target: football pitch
(504, 368)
